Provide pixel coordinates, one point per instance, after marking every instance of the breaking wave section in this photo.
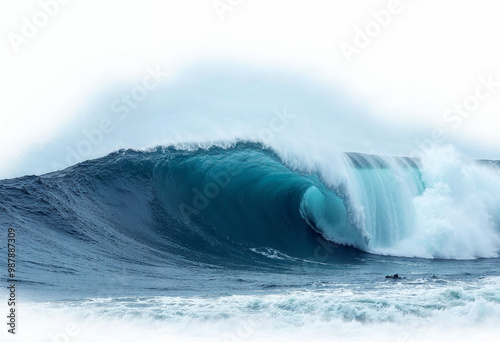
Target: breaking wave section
(232, 205)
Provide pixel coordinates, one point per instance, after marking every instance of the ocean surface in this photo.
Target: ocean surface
(240, 242)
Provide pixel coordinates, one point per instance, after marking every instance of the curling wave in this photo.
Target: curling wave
(225, 205)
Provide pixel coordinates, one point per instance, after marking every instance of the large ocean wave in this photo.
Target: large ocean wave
(230, 204)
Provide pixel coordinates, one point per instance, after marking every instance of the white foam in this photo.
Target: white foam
(451, 210)
(391, 312)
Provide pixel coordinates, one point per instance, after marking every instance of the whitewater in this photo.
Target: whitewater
(225, 222)
(241, 240)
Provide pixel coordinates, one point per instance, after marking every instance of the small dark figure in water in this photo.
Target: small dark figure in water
(396, 276)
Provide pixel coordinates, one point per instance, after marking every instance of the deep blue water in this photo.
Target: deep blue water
(219, 222)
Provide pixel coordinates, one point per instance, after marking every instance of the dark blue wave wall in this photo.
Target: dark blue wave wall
(165, 206)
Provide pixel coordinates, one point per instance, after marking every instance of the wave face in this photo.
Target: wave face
(231, 205)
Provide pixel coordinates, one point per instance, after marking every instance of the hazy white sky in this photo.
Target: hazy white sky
(422, 60)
